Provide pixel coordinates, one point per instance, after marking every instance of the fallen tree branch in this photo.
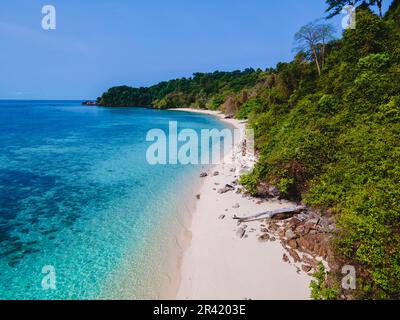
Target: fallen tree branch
(271, 214)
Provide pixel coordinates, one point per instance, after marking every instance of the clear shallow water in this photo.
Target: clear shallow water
(77, 193)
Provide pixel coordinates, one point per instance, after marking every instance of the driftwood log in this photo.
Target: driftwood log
(283, 213)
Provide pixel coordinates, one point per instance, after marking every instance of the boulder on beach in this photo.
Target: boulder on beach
(264, 237)
(226, 189)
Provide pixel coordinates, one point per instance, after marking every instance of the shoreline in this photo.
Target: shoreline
(222, 260)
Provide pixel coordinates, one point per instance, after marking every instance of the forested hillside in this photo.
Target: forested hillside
(203, 90)
(327, 130)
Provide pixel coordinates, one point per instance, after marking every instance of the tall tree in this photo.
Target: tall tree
(312, 39)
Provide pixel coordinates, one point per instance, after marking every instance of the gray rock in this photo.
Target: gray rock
(273, 191)
(264, 237)
(226, 189)
(236, 206)
(222, 217)
(203, 174)
(289, 234)
(241, 232)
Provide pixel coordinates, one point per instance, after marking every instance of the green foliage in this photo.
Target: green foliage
(319, 288)
(216, 101)
(335, 142)
(201, 91)
(250, 182)
(246, 109)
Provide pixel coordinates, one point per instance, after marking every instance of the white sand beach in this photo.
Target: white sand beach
(219, 264)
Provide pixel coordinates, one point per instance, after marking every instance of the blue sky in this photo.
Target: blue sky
(99, 43)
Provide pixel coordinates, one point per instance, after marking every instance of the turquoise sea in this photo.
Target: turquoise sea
(77, 194)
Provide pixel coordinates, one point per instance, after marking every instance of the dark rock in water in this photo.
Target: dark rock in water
(13, 262)
(89, 103)
(31, 251)
(203, 174)
(47, 232)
